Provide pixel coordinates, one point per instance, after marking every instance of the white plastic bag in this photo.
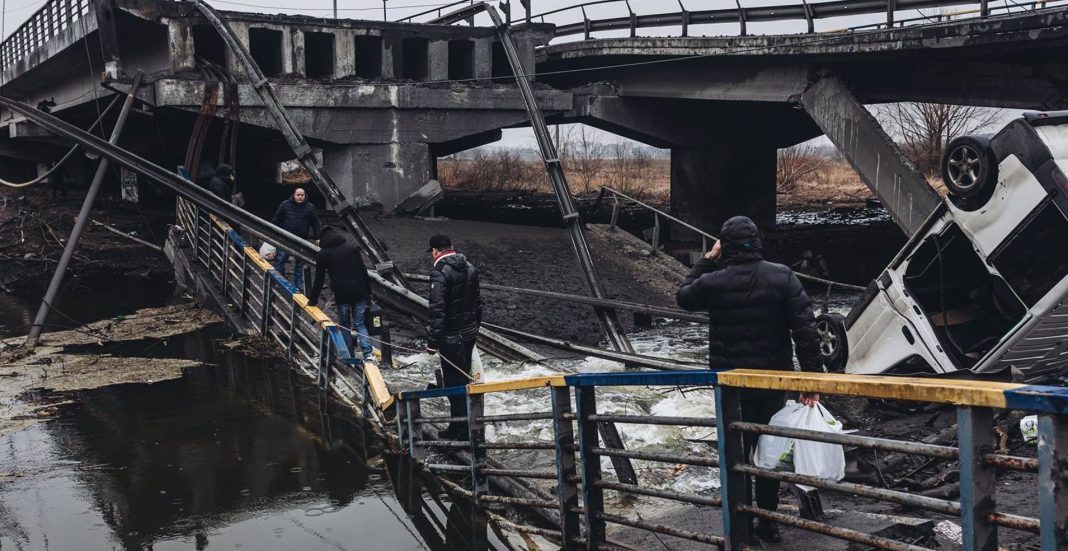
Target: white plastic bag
(818, 459)
(774, 452)
(478, 372)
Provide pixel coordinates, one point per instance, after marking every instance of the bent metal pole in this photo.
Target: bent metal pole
(82, 220)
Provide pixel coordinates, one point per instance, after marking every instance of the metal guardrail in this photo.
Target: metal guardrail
(279, 311)
(48, 21)
(796, 11)
(654, 245)
(577, 504)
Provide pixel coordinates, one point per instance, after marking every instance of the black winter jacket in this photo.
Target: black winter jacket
(220, 183)
(297, 218)
(754, 306)
(455, 304)
(343, 260)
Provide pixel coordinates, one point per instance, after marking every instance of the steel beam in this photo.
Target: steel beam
(81, 221)
(1053, 482)
(880, 163)
(609, 323)
(978, 481)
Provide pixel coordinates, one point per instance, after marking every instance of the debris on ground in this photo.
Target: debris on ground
(63, 362)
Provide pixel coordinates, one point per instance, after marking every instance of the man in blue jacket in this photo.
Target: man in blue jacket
(297, 216)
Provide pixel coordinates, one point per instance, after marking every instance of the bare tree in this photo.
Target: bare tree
(629, 168)
(924, 129)
(583, 155)
(796, 164)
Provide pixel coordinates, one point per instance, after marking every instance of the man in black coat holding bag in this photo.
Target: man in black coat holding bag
(343, 260)
(754, 309)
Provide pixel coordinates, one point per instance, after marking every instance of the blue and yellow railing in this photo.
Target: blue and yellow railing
(279, 311)
(577, 503)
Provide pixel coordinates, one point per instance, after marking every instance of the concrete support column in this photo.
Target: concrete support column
(484, 58)
(712, 184)
(379, 173)
(297, 53)
(237, 68)
(180, 38)
(438, 62)
(344, 53)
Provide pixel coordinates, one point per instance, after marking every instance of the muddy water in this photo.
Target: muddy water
(241, 455)
(83, 299)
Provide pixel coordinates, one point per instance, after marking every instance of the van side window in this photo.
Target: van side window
(1035, 259)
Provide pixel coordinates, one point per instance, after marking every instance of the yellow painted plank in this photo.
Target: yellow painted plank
(947, 391)
(219, 222)
(379, 391)
(256, 259)
(517, 384)
(313, 312)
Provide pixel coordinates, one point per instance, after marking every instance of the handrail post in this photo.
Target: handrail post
(1053, 481)
(615, 213)
(476, 434)
(196, 232)
(977, 478)
(590, 464)
(566, 489)
(244, 283)
(292, 329)
(266, 313)
(326, 356)
(414, 411)
(733, 486)
(402, 423)
(225, 265)
(655, 245)
(984, 8)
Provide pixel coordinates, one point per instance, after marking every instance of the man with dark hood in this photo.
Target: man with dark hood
(343, 260)
(222, 183)
(455, 316)
(297, 216)
(754, 309)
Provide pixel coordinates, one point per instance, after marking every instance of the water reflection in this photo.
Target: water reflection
(243, 455)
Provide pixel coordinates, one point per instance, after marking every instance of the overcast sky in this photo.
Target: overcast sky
(15, 12)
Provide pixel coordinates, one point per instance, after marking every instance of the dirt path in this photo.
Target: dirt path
(81, 359)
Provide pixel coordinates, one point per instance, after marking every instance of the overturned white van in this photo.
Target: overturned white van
(983, 285)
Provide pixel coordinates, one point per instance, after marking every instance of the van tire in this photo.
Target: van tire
(834, 348)
(970, 171)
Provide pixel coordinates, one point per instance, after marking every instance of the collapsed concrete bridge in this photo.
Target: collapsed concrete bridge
(383, 100)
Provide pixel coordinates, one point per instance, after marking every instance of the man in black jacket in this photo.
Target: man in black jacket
(754, 308)
(455, 316)
(222, 183)
(297, 216)
(342, 259)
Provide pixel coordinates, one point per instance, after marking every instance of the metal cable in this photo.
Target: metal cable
(65, 157)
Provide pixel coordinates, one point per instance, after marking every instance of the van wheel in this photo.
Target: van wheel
(834, 349)
(969, 171)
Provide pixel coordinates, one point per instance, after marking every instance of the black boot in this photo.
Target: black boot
(768, 531)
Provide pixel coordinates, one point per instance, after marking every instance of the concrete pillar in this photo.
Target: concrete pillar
(712, 184)
(297, 53)
(379, 173)
(180, 38)
(392, 56)
(287, 48)
(484, 58)
(344, 53)
(237, 68)
(438, 60)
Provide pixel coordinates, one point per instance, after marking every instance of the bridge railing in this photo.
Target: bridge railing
(741, 15)
(50, 20)
(279, 312)
(577, 484)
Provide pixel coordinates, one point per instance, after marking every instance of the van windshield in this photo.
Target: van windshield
(969, 308)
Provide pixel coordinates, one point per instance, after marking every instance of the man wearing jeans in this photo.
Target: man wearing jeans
(342, 259)
(298, 217)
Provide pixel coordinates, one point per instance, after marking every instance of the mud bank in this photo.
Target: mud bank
(93, 356)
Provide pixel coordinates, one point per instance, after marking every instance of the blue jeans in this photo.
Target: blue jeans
(354, 316)
(298, 268)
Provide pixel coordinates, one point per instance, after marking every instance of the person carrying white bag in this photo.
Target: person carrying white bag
(807, 457)
(758, 314)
